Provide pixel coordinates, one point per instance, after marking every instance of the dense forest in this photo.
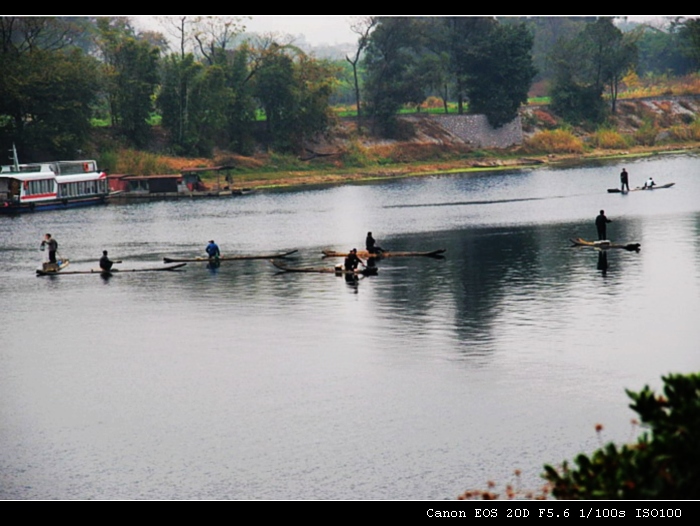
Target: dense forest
(203, 83)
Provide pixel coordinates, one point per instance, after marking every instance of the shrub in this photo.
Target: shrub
(647, 133)
(610, 140)
(357, 155)
(680, 133)
(554, 141)
(663, 464)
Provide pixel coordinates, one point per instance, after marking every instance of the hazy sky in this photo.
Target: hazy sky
(317, 29)
(327, 29)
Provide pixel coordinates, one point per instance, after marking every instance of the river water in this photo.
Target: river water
(433, 377)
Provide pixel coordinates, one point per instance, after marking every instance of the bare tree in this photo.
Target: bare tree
(216, 33)
(178, 28)
(362, 27)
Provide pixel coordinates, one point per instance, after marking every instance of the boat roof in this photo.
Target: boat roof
(54, 167)
(207, 169)
(150, 177)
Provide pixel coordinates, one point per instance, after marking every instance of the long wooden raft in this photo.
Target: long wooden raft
(363, 254)
(112, 271)
(230, 258)
(604, 245)
(337, 270)
(641, 188)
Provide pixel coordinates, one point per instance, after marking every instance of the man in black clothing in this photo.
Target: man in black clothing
(624, 180)
(371, 245)
(601, 223)
(105, 262)
(352, 260)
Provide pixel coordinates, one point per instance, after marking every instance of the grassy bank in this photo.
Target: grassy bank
(641, 127)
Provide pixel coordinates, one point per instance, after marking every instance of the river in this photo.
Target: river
(433, 377)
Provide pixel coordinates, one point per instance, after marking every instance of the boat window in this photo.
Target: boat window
(41, 187)
(75, 167)
(28, 168)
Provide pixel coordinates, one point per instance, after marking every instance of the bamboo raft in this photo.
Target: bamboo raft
(604, 244)
(112, 271)
(363, 254)
(338, 270)
(280, 255)
(640, 188)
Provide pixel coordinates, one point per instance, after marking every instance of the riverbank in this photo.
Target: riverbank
(641, 127)
(312, 177)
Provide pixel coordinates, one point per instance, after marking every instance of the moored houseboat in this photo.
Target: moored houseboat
(51, 186)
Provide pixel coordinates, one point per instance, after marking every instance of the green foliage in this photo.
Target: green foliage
(647, 133)
(294, 91)
(135, 81)
(470, 58)
(596, 59)
(45, 101)
(664, 463)
(503, 74)
(662, 52)
(193, 101)
(391, 61)
(689, 32)
(577, 103)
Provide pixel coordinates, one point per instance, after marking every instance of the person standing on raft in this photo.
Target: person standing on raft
(601, 223)
(624, 180)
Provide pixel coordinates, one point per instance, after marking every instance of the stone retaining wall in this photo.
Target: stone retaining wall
(476, 131)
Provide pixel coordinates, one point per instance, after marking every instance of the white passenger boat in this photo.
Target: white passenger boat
(50, 186)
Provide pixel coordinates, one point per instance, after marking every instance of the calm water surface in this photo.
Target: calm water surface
(431, 378)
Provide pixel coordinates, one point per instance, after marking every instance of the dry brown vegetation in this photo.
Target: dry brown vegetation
(639, 126)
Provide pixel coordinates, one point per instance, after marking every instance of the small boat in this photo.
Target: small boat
(113, 270)
(230, 258)
(363, 254)
(338, 270)
(604, 244)
(655, 187)
(50, 186)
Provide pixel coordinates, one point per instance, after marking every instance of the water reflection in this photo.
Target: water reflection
(603, 262)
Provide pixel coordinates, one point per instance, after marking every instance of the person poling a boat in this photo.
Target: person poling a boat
(601, 223)
(213, 250)
(105, 262)
(371, 245)
(52, 245)
(624, 180)
(352, 260)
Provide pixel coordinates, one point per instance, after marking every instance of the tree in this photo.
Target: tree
(215, 33)
(661, 51)
(610, 55)
(131, 70)
(241, 110)
(586, 65)
(663, 464)
(466, 38)
(501, 74)
(689, 30)
(47, 88)
(391, 60)
(294, 92)
(191, 100)
(362, 28)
